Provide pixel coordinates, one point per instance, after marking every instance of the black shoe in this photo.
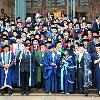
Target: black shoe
(27, 92)
(81, 92)
(2, 94)
(98, 94)
(23, 92)
(86, 93)
(10, 93)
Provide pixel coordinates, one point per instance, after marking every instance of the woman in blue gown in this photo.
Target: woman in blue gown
(96, 59)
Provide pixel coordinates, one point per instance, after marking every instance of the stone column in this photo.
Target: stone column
(20, 9)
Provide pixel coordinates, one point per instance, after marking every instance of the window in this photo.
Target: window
(28, 3)
(84, 2)
(37, 3)
(60, 2)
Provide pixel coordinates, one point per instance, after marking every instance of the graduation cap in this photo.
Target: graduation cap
(85, 34)
(6, 39)
(48, 42)
(45, 25)
(13, 25)
(81, 45)
(96, 36)
(70, 22)
(77, 23)
(67, 50)
(27, 39)
(42, 33)
(7, 21)
(97, 45)
(4, 35)
(36, 24)
(54, 27)
(68, 41)
(71, 36)
(60, 35)
(58, 42)
(89, 22)
(15, 31)
(1, 19)
(26, 44)
(85, 39)
(41, 16)
(61, 24)
(52, 46)
(35, 39)
(6, 46)
(84, 21)
(18, 37)
(42, 43)
(4, 31)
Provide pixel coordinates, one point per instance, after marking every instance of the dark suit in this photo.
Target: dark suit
(96, 27)
(25, 70)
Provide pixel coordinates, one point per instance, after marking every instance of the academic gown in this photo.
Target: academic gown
(50, 73)
(67, 74)
(7, 78)
(95, 56)
(38, 59)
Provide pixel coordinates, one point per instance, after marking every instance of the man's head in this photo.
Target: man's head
(6, 48)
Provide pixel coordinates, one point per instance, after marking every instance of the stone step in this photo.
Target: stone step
(33, 90)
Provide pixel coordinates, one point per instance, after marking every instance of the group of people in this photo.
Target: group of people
(56, 55)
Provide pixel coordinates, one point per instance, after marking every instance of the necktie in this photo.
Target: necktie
(18, 46)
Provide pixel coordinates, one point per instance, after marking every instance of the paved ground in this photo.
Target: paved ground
(41, 96)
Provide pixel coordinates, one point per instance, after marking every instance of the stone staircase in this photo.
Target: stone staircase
(33, 91)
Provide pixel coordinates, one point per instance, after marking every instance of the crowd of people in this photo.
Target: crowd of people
(44, 52)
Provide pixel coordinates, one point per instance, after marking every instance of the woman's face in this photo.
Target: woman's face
(98, 50)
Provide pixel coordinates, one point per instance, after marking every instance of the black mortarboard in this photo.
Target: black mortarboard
(85, 34)
(4, 31)
(68, 41)
(77, 23)
(96, 36)
(89, 22)
(6, 46)
(84, 21)
(42, 43)
(85, 39)
(97, 45)
(70, 36)
(36, 24)
(27, 39)
(35, 39)
(52, 46)
(58, 42)
(13, 25)
(54, 27)
(41, 16)
(4, 35)
(26, 44)
(68, 50)
(48, 42)
(81, 45)
(18, 37)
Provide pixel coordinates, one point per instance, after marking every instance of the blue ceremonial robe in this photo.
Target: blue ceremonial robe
(95, 56)
(7, 74)
(67, 74)
(50, 72)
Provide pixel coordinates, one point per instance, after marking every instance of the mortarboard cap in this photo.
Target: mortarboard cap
(6, 46)
(97, 45)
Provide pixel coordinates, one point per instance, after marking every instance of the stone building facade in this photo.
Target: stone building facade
(89, 8)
